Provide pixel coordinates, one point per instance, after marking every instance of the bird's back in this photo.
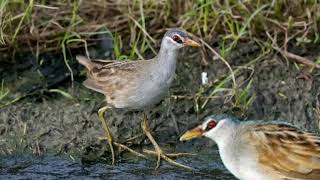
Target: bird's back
(282, 151)
(127, 84)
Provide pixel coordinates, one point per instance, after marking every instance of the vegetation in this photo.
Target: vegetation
(59, 26)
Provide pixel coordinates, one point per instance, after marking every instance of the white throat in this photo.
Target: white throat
(223, 133)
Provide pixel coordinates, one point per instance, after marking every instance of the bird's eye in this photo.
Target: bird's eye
(177, 39)
(211, 125)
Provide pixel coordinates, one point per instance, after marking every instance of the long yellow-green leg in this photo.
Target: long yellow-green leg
(107, 131)
(108, 136)
(158, 150)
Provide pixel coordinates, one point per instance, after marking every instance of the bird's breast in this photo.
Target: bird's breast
(148, 88)
(241, 160)
(148, 92)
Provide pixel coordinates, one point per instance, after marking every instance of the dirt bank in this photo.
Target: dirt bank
(47, 121)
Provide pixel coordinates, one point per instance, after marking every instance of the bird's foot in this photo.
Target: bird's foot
(122, 146)
(167, 157)
(158, 151)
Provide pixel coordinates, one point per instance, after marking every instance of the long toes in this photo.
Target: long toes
(171, 155)
(167, 158)
(174, 163)
(130, 150)
(175, 155)
(160, 154)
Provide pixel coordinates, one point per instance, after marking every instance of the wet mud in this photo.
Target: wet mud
(45, 121)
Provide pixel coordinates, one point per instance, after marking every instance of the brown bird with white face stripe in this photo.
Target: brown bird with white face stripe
(136, 84)
(262, 150)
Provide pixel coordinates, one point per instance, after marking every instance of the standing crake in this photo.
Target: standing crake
(136, 84)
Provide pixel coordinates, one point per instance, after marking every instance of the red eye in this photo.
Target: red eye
(211, 125)
(177, 39)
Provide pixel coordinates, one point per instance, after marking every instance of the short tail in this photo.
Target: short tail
(85, 61)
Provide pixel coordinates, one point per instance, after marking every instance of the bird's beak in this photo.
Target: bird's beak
(190, 42)
(194, 133)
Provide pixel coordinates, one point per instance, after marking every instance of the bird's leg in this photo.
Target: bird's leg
(107, 131)
(160, 153)
(108, 135)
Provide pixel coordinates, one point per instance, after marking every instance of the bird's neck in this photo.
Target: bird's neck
(228, 132)
(227, 144)
(167, 59)
(167, 55)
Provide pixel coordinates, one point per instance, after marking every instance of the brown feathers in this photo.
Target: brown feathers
(116, 80)
(263, 150)
(287, 151)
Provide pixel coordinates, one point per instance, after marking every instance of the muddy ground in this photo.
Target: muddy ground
(44, 121)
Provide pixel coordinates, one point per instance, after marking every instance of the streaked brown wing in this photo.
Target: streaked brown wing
(287, 151)
(93, 85)
(109, 76)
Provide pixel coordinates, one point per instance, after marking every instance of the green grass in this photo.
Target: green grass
(136, 26)
(3, 91)
(139, 24)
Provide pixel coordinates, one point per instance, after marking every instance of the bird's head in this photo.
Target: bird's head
(212, 127)
(177, 38)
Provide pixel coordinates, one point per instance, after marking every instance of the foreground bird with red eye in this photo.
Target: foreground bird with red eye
(262, 150)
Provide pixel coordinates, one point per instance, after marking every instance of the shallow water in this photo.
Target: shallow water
(207, 165)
